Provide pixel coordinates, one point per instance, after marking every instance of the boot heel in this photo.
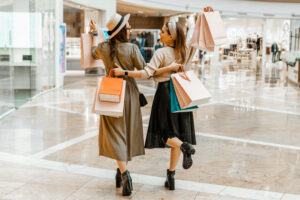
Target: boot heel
(118, 183)
(127, 184)
(166, 184)
(170, 182)
(118, 178)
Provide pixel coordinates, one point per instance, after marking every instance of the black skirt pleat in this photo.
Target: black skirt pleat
(164, 124)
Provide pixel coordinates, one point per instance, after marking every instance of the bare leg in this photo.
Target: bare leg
(174, 157)
(122, 166)
(175, 143)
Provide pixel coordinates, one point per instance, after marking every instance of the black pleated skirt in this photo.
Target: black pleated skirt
(164, 124)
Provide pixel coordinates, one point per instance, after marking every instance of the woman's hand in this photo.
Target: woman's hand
(119, 72)
(208, 9)
(92, 25)
(175, 66)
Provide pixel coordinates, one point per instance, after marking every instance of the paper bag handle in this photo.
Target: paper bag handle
(111, 73)
(183, 73)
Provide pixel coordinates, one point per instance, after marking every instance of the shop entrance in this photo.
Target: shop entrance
(254, 57)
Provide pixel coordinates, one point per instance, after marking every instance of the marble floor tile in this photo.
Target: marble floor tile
(20, 174)
(216, 162)
(41, 192)
(101, 188)
(8, 187)
(55, 178)
(247, 145)
(97, 194)
(147, 192)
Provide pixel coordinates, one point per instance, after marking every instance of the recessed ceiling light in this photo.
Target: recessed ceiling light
(140, 12)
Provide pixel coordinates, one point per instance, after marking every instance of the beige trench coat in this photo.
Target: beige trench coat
(122, 138)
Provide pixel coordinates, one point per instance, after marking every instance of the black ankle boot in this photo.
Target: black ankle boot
(118, 178)
(126, 183)
(187, 150)
(170, 182)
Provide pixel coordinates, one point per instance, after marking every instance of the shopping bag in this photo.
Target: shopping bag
(216, 28)
(209, 31)
(87, 60)
(111, 89)
(189, 89)
(109, 108)
(174, 101)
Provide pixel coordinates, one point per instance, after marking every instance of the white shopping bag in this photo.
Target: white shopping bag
(209, 31)
(109, 108)
(189, 89)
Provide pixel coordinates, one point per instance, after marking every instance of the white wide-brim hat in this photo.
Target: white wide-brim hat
(116, 23)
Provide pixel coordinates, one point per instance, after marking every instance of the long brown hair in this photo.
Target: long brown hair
(121, 36)
(179, 43)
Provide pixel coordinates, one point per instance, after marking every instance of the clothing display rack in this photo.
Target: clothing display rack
(146, 39)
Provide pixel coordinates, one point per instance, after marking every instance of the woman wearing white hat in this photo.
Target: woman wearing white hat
(165, 128)
(121, 138)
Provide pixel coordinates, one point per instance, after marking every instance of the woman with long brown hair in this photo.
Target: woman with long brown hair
(165, 128)
(121, 138)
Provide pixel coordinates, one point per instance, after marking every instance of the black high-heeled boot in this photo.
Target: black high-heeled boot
(118, 178)
(170, 182)
(188, 150)
(126, 183)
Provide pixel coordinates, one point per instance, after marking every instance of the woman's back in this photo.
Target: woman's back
(125, 134)
(126, 53)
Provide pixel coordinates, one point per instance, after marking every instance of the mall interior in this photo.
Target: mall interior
(247, 134)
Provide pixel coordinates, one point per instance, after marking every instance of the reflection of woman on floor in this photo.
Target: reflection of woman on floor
(165, 128)
(121, 138)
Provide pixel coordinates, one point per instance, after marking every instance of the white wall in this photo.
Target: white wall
(107, 6)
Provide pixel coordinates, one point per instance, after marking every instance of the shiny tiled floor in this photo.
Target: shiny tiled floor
(248, 148)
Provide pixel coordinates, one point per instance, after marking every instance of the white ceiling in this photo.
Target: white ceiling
(242, 8)
(124, 7)
(282, 1)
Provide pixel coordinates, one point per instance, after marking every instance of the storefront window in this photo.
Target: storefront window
(6, 72)
(27, 50)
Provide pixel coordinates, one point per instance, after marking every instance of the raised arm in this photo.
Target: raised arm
(94, 32)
